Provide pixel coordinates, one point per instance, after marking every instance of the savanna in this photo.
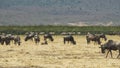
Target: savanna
(56, 54)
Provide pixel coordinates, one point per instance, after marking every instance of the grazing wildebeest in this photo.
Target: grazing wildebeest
(17, 40)
(4, 38)
(92, 37)
(29, 36)
(103, 36)
(110, 45)
(48, 36)
(8, 40)
(36, 38)
(10, 37)
(69, 38)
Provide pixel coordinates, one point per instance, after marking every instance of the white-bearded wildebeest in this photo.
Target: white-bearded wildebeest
(36, 38)
(8, 38)
(92, 37)
(48, 36)
(29, 36)
(17, 40)
(110, 45)
(69, 38)
(103, 36)
(5, 39)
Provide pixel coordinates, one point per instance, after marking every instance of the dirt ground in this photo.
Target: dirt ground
(57, 55)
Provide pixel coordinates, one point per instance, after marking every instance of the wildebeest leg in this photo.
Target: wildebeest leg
(88, 41)
(99, 42)
(7, 42)
(36, 41)
(19, 43)
(111, 54)
(68, 41)
(95, 42)
(15, 42)
(105, 38)
(107, 53)
(2, 42)
(118, 54)
(64, 42)
(32, 39)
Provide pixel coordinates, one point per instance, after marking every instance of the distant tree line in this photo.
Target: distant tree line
(59, 29)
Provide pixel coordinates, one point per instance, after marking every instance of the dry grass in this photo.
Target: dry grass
(57, 55)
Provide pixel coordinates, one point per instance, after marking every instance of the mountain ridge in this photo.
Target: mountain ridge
(59, 12)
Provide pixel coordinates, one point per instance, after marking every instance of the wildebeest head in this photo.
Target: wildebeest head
(26, 38)
(74, 42)
(51, 38)
(103, 36)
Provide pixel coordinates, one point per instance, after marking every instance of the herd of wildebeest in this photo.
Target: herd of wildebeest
(6, 39)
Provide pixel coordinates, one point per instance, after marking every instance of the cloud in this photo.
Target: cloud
(79, 24)
(109, 23)
(91, 24)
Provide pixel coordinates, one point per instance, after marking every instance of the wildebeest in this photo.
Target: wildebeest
(69, 38)
(8, 38)
(110, 45)
(103, 36)
(29, 36)
(48, 36)
(17, 40)
(5, 39)
(36, 38)
(92, 37)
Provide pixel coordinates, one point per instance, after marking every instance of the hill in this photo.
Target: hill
(60, 12)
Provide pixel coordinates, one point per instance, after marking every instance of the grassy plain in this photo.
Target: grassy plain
(57, 55)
